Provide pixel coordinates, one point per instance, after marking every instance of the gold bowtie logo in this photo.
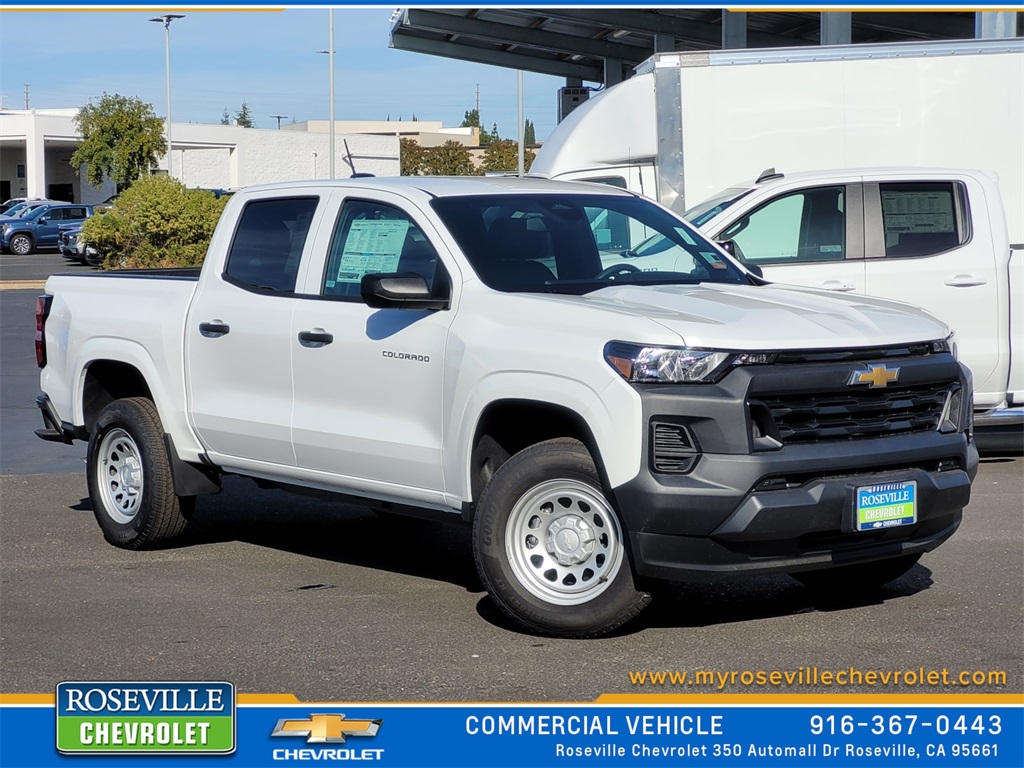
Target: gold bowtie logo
(876, 376)
(326, 729)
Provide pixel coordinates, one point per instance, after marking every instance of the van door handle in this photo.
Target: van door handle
(835, 285)
(965, 281)
(214, 330)
(315, 339)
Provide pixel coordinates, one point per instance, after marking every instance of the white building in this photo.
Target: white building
(36, 147)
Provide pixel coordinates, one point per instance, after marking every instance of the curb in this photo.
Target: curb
(16, 285)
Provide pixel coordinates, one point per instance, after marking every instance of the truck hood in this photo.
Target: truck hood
(771, 317)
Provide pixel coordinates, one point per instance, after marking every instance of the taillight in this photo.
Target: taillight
(42, 312)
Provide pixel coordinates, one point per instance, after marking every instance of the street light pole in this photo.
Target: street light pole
(166, 20)
(330, 57)
(330, 122)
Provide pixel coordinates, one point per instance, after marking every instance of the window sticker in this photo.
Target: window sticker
(372, 246)
(918, 212)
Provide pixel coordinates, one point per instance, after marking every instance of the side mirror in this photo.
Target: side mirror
(730, 247)
(399, 290)
(42, 220)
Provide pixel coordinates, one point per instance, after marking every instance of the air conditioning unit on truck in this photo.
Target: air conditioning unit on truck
(481, 350)
(859, 197)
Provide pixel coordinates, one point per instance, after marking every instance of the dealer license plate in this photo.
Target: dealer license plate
(886, 505)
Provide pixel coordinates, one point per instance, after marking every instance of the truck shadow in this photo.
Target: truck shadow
(335, 532)
(349, 534)
(689, 606)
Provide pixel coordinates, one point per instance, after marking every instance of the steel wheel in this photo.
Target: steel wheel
(563, 542)
(21, 245)
(120, 475)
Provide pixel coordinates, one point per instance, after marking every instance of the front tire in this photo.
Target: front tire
(129, 477)
(550, 547)
(20, 245)
(855, 579)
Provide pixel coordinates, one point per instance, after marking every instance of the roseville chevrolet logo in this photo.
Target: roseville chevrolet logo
(326, 729)
(876, 376)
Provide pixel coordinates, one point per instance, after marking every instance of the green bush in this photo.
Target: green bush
(157, 222)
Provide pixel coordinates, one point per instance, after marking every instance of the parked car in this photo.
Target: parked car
(39, 227)
(20, 209)
(73, 246)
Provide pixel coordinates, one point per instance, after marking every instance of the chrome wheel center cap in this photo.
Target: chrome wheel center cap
(131, 475)
(570, 540)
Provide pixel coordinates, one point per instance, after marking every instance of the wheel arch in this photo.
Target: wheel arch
(517, 423)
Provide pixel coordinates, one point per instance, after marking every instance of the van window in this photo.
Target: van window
(268, 242)
(796, 228)
(920, 218)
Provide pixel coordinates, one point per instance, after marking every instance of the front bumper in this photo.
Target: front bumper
(747, 507)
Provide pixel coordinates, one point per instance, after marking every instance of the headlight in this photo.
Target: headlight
(4, 227)
(669, 365)
(947, 345)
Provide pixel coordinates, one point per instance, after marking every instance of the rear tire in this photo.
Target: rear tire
(550, 548)
(129, 477)
(854, 579)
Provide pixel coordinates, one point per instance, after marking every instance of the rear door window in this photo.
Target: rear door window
(267, 247)
(921, 218)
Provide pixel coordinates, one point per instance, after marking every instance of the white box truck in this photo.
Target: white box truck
(689, 126)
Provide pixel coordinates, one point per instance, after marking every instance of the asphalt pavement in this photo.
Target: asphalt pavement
(282, 593)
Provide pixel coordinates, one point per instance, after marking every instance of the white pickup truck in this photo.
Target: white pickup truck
(478, 349)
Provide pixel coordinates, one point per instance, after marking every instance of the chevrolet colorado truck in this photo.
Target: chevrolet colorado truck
(478, 349)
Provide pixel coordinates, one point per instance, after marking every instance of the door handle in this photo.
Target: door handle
(835, 285)
(214, 330)
(965, 281)
(315, 339)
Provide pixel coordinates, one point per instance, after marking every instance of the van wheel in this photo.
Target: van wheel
(21, 245)
(129, 477)
(852, 579)
(549, 546)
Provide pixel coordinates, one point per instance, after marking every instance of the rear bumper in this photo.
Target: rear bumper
(54, 430)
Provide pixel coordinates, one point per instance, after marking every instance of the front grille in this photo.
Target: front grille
(851, 414)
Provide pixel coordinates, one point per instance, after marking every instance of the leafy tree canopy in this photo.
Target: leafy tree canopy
(503, 155)
(157, 223)
(449, 159)
(121, 139)
(412, 158)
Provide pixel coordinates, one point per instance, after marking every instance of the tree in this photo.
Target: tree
(449, 159)
(243, 118)
(156, 223)
(412, 158)
(121, 139)
(503, 155)
(529, 134)
(472, 120)
(225, 119)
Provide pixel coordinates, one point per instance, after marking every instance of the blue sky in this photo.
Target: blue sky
(266, 58)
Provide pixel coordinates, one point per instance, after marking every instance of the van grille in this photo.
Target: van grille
(850, 414)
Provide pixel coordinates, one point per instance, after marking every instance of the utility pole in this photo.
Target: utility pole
(26, 95)
(478, 100)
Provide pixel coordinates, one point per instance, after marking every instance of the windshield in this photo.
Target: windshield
(703, 213)
(577, 243)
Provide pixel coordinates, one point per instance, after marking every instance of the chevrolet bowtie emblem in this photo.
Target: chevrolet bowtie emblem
(876, 376)
(324, 729)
